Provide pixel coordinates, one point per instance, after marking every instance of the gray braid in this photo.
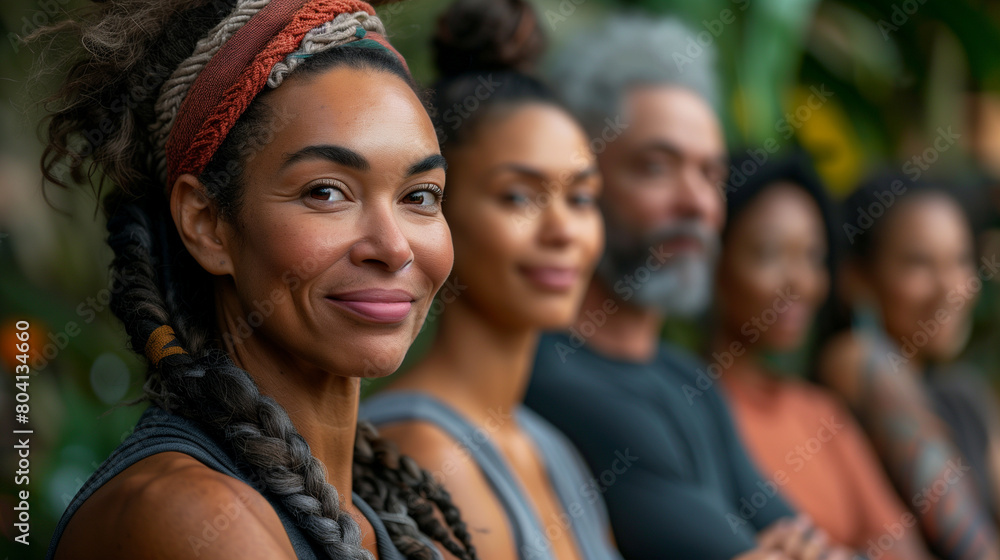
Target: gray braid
(268, 439)
(342, 29)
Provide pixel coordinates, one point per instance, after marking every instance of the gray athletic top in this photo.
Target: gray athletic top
(577, 490)
(158, 431)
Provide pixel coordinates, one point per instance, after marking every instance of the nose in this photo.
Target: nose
(382, 243)
(556, 227)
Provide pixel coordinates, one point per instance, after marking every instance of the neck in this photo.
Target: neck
(629, 332)
(322, 405)
(743, 361)
(475, 365)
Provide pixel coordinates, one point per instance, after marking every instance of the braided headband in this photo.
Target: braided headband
(257, 44)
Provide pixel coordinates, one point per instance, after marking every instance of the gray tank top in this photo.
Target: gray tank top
(574, 485)
(158, 431)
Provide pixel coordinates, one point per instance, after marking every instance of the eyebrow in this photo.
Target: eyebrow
(349, 158)
(336, 154)
(434, 161)
(540, 176)
(664, 146)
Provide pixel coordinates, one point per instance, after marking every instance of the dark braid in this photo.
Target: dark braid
(411, 490)
(132, 42)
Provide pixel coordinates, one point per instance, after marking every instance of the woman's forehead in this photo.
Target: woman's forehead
(366, 110)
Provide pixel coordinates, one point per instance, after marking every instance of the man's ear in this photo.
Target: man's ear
(205, 234)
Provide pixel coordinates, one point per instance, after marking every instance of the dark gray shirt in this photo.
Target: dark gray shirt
(659, 437)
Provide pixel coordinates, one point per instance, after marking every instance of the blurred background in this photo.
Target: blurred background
(858, 85)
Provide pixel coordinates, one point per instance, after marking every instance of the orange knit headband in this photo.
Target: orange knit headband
(239, 71)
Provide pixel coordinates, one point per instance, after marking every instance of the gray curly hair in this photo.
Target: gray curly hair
(596, 68)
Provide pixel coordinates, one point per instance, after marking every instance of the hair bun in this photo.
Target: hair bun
(483, 35)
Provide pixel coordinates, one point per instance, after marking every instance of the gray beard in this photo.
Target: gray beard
(682, 286)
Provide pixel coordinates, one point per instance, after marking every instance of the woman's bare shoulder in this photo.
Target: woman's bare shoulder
(841, 362)
(170, 505)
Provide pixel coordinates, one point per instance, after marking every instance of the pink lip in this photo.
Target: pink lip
(375, 305)
(794, 318)
(551, 278)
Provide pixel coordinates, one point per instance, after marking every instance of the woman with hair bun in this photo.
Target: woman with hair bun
(522, 206)
(277, 230)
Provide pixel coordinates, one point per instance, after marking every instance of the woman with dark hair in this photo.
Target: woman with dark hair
(772, 280)
(277, 235)
(909, 281)
(522, 205)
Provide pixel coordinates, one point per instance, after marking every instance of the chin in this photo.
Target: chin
(374, 367)
(371, 356)
(552, 319)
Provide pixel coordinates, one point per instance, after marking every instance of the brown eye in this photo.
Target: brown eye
(516, 198)
(424, 197)
(326, 193)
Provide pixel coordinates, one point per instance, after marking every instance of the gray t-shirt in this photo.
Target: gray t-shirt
(676, 478)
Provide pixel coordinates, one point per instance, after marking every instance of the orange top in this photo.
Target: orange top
(807, 442)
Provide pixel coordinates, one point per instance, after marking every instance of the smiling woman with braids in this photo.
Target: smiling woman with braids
(277, 234)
